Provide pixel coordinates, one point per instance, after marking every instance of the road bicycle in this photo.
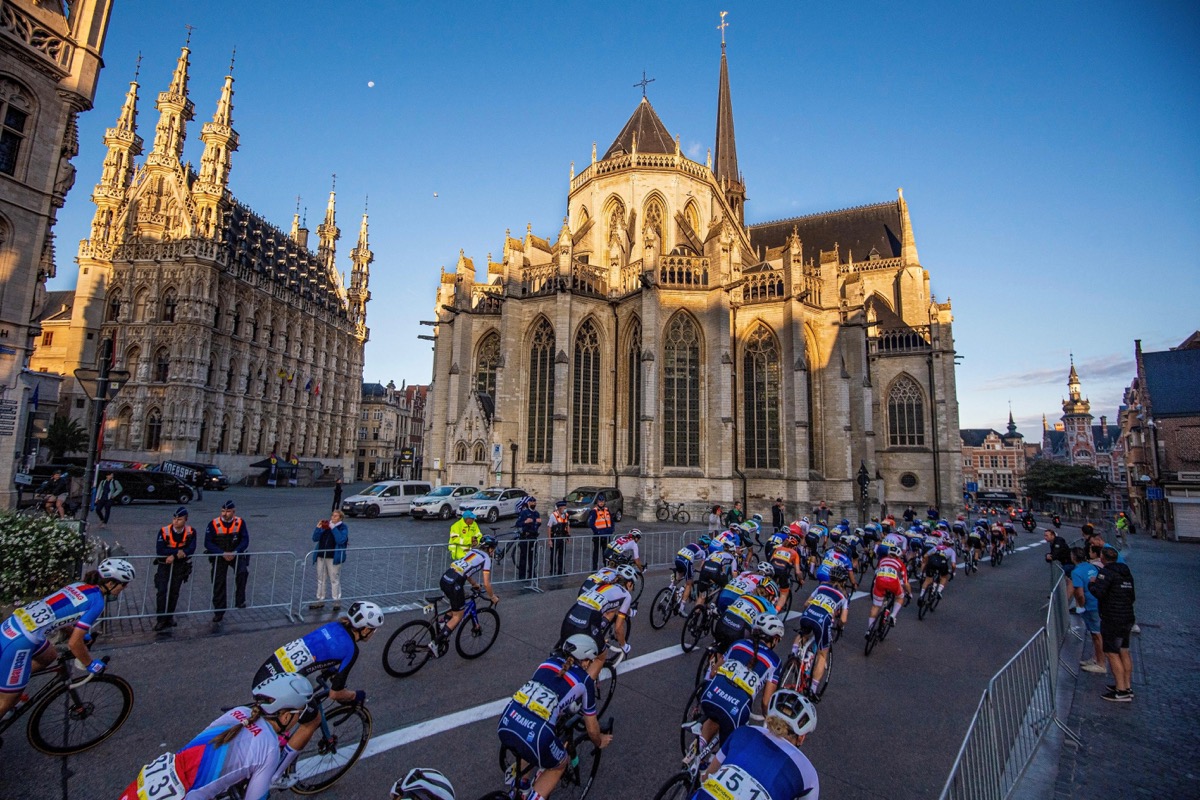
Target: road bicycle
(929, 600)
(408, 648)
(700, 621)
(883, 624)
(684, 783)
(1010, 543)
(797, 672)
(583, 762)
(971, 560)
(69, 715)
(667, 603)
(664, 511)
(997, 552)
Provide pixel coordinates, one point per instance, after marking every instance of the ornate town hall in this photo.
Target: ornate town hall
(659, 343)
(240, 339)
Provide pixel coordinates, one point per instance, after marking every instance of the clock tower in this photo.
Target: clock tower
(1077, 422)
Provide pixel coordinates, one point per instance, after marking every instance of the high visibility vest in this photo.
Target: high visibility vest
(228, 537)
(168, 535)
(603, 518)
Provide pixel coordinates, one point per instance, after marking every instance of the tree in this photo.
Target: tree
(65, 436)
(1044, 478)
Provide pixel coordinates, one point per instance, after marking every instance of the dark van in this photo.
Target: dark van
(208, 476)
(153, 485)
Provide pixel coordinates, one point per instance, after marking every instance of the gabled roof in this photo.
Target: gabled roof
(973, 437)
(1173, 382)
(58, 307)
(853, 230)
(652, 135)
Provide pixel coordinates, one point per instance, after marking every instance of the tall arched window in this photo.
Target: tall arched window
(223, 439)
(202, 442)
(487, 358)
(114, 308)
(132, 356)
(162, 365)
(170, 304)
(153, 437)
(120, 437)
(237, 320)
(633, 394)
(760, 384)
(539, 447)
(585, 406)
(681, 393)
(140, 311)
(460, 452)
(480, 453)
(906, 414)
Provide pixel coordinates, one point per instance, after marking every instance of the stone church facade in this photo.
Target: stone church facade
(241, 341)
(660, 343)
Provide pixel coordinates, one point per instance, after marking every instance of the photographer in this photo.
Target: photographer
(331, 536)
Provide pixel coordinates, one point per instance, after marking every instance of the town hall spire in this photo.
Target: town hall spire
(124, 145)
(328, 232)
(361, 256)
(725, 152)
(175, 110)
(220, 140)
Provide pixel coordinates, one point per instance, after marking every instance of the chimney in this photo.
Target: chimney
(1104, 425)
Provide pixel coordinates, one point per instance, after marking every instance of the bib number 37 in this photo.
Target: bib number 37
(731, 782)
(159, 781)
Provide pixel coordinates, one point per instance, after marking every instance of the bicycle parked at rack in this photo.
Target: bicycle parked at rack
(408, 648)
(883, 624)
(583, 762)
(68, 716)
(664, 511)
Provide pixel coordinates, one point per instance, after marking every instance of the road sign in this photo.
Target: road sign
(1154, 493)
(972, 486)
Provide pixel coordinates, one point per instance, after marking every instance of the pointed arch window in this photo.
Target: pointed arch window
(487, 359)
(120, 437)
(201, 442)
(585, 411)
(681, 393)
(906, 414)
(170, 305)
(760, 384)
(479, 453)
(223, 438)
(140, 301)
(633, 395)
(114, 308)
(132, 356)
(539, 447)
(162, 365)
(153, 438)
(460, 452)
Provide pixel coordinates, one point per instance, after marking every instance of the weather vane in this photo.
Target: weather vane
(644, 82)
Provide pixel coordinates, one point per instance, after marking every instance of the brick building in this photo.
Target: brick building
(994, 464)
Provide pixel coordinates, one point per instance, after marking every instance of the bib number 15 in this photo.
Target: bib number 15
(731, 782)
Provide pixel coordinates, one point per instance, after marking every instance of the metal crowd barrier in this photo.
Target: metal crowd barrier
(387, 575)
(1016, 710)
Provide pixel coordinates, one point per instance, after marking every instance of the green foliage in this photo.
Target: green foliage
(37, 556)
(65, 436)
(1044, 478)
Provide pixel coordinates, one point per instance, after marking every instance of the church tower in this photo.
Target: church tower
(328, 232)
(220, 140)
(1077, 422)
(725, 163)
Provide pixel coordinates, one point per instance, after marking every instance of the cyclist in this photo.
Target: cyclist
(890, 576)
(827, 603)
(785, 559)
(938, 565)
(766, 763)
(835, 557)
(715, 572)
(959, 529)
(235, 749)
(975, 539)
(998, 535)
(599, 610)
(813, 538)
(423, 784)
(745, 583)
(872, 535)
(737, 622)
(685, 566)
(748, 670)
(624, 550)
(25, 636)
(477, 561)
(330, 650)
(562, 683)
(853, 543)
(600, 577)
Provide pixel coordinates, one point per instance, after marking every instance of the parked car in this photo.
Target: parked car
(209, 476)
(442, 502)
(145, 484)
(385, 497)
(495, 502)
(580, 502)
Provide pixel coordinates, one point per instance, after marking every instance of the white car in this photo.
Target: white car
(491, 504)
(384, 497)
(442, 502)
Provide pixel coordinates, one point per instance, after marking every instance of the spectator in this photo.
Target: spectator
(175, 546)
(1114, 591)
(560, 531)
(226, 540)
(778, 515)
(714, 520)
(332, 536)
(822, 513)
(1087, 607)
(464, 533)
(1060, 551)
(337, 495)
(58, 487)
(107, 493)
(529, 521)
(932, 513)
(736, 515)
(601, 522)
(909, 515)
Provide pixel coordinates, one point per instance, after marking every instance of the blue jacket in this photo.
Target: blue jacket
(529, 520)
(341, 538)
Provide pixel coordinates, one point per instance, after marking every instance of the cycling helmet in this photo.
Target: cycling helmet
(705, 540)
(488, 542)
(286, 691)
(635, 533)
(625, 572)
(845, 523)
(365, 614)
(793, 538)
(892, 548)
(943, 525)
(756, 518)
(795, 709)
(842, 548)
(769, 590)
(580, 646)
(729, 545)
(767, 625)
(766, 568)
(804, 519)
(838, 575)
(423, 784)
(117, 569)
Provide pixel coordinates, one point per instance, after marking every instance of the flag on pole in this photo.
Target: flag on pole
(308, 386)
(317, 390)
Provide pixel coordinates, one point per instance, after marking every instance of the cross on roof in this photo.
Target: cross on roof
(190, 28)
(644, 82)
(722, 27)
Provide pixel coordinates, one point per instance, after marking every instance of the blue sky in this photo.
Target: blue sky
(1048, 151)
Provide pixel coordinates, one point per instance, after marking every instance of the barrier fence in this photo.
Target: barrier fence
(1017, 708)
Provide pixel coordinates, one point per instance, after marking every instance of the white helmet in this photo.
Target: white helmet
(117, 569)
(286, 691)
(626, 572)
(365, 614)
(795, 709)
(768, 625)
(423, 784)
(580, 646)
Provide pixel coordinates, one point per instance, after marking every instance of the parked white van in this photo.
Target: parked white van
(385, 497)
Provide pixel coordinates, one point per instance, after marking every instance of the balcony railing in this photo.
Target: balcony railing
(902, 340)
(683, 272)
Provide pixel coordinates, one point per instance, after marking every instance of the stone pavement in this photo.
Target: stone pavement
(1149, 747)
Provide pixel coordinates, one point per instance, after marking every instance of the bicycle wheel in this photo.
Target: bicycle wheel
(679, 787)
(662, 608)
(582, 765)
(662, 513)
(408, 648)
(791, 677)
(873, 637)
(327, 757)
(691, 713)
(639, 583)
(70, 721)
(606, 687)
(705, 666)
(924, 603)
(937, 598)
(683, 517)
(999, 557)
(695, 628)
(818, 689)
(476, 636)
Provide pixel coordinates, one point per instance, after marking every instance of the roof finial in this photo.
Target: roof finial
(644, 82)
(722, 28)
(137, 68)
(333, 184)
(232, 58)
(366, 203)
(190, 28)
(297, 204)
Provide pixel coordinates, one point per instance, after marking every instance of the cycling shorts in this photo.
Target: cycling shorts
(884, 584)
(729, 713)
(812, 540)
(455, 591)
(821, 629)
(683, 568)
(530, 737)
(712, 575)
(596, 627)
(16, 660)
(725, 633)
(783, 576)
(937, 566)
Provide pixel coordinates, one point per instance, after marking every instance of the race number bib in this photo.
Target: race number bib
(294, 656)
(731, 782)
(742, 586)
(159, 781)
(35, 616)
(538, 699)
(592, 599)
(740, 676)
(824, 602)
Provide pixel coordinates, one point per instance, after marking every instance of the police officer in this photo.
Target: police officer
(226, 540)
(175, 546)
(529, 521)
(601, 522)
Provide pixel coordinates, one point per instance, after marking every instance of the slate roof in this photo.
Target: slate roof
(54, 308)
(652, 135)
(1057, 441)
(1104, 443)
(973, 437)
(374, 390)
(1173, 381)
(854, 230)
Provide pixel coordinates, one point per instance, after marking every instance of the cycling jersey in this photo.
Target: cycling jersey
(729, 537)
(747, 668)
(328, 649)
(599, 578)
(202, 771)
(737, 619)
(745, 583)
(594, 612)
(959, 528)
(623, 548)
(833, 559)
(755, 764)
(686, 558)
(890, 576)
(823, 606)
(528, 721)
(896, 539)
(717, 568)
(24, 635)
(470, 565)
(786, 561)
(939, 561)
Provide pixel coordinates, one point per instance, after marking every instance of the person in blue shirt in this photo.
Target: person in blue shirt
(529, 521)
(766, 763)
(331, 537)
(1086, 605)
(175, 545)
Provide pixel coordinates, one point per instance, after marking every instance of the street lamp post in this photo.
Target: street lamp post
(864, 480)
(512, 446)
(100, 386)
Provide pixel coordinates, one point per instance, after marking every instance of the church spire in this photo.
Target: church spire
(175, 110)
(725, 152)
(328, 232)
(220, 141)
(124, 145)
(908, 243)
(361, 256)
